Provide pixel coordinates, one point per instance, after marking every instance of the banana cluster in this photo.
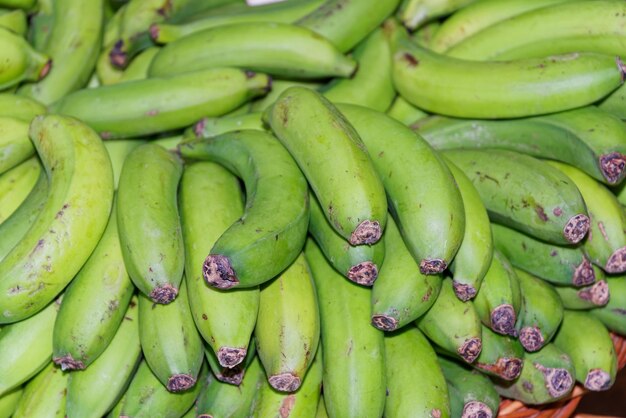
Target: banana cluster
(310, 208)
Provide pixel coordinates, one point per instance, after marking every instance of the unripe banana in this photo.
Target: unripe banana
(118, 150)
(336, 163)
(93, 305)
(472, 260)
(321, 408)
(588, 343)
(423, 77)
(40, 24)
(547, 376)
(525, 193)
(402, 293)
(232, 375)
(279, 49)
(453, 325)
(415, 382)
(15, 145)
(359, 263)
(16, 184)
(26, 348)
(19, 107)
(74, 44)
(405, 112)
(414, 13)
(587, 297)
(278, 87)
(160, 104)
(21, 62)
(498, 299)
(371, 85)
(210, 127)
(345, 24)
(170, 341)
(112, 370)
(9, 401)
(501, 355)
(155, 265)
(140, 65)
(424, 34)
(44, 396)
(606, 241)
(424, 199)
(613, 314)
(14, 20)
(69, 225)
(540, 313)
(271, 233)
(352, 350)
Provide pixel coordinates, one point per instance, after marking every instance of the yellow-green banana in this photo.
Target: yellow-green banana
(40, 24)
(277, 88)
(613, 314)
(69, 225)
(16, 184)
(118, 150)
(139, 66)
(9, 401)
(14, 20)
(19, 107)
(44, 396)
(20, 61)
(587, 297)
(501, 355)
(271, 233)
(405, 112)
(15, 145)
(209, 127)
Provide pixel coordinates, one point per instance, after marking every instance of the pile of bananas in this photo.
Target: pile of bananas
(312, 208)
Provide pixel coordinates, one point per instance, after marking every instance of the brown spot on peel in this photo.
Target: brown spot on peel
(432, 266)
(154, 32)
(470, 349)
(384, 322)
(67, 362)
(364, 273)
(45, 69)
(218, 272)
(598, 294)
(118, 56)
(598, 380)
(164, 294)
(410, 59)
(576, 228)
(284, 382)
(620, 67)
(617, 261)
(559, 382)
(463, 291)
(612, 167)
(503, 319)
(367, 232)
(180, 382)
(232, 376)
(531, 338)
(505, 367)
(476, 409)
(230, 356)
(286, 406)
(584, 274)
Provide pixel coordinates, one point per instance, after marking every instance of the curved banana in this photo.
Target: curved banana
(20, 61)
(210, 127)
(405, 112)
(70, 223)
(277, 88)
(14, 20)
(271, 233)
(423, 196)
(16, 184)
(40, 24)
(44, 395)
(140, 65)
(19, 107)
(424, 77)
(15, 145)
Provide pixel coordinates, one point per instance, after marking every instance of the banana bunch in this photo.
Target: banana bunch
(309, 208)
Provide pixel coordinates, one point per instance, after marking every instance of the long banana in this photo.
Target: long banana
(423, 77)
(159, 104)
(402, 293)
(271, 233)
(9, 401)
(501, 356)
(112, 370)
(540, 313)
(19, 107)
(15, 145)
(525, 193)
(16, 184)
(424, 199)
(279, 49)
(44, 395)
(352, 350)
(613, 313)
(70, 223)
(588, 297)
(21, 62)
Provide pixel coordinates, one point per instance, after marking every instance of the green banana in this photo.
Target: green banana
(588, 343)
(232, 375)
(151, 174)
(160, 104)
(210, 127)
(587, 297)
(525, 193)
(472, 260)
(558, 264)
(21, 62)
(70, 223)
(270, 403)
(476, 393)
(9, 401)
(40, 24)
(170, 342)
(26, 348)
(146, 397)
(281, 12)
(224, 319)
(118, 150)
(16, 184)
(44, 396)
(547, 376)
(359, 263)
(15, 145)
(588, 138)
(423, 36)
(19, 107)
(287, 329)
(423, 77)
(279, 49)
(478, 16)
(402, 293)
(335, 163)
(432, 223)
(112, 370)
(612, 314)
(498, 299)
(540, 313)
(222, 400)
(321, 408)
(73, 45)
(14, 20)
(169, 143)
(501, 355)
(453, 325)
(414, 13)
(270, 234)
(371, 85)
(278, 87)
(352, 350)
(416, 385)
(106, 72)
(140, 65)
(93, 305)
(601, 22)
(405, 112)
(606, 241)
(346, 23)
